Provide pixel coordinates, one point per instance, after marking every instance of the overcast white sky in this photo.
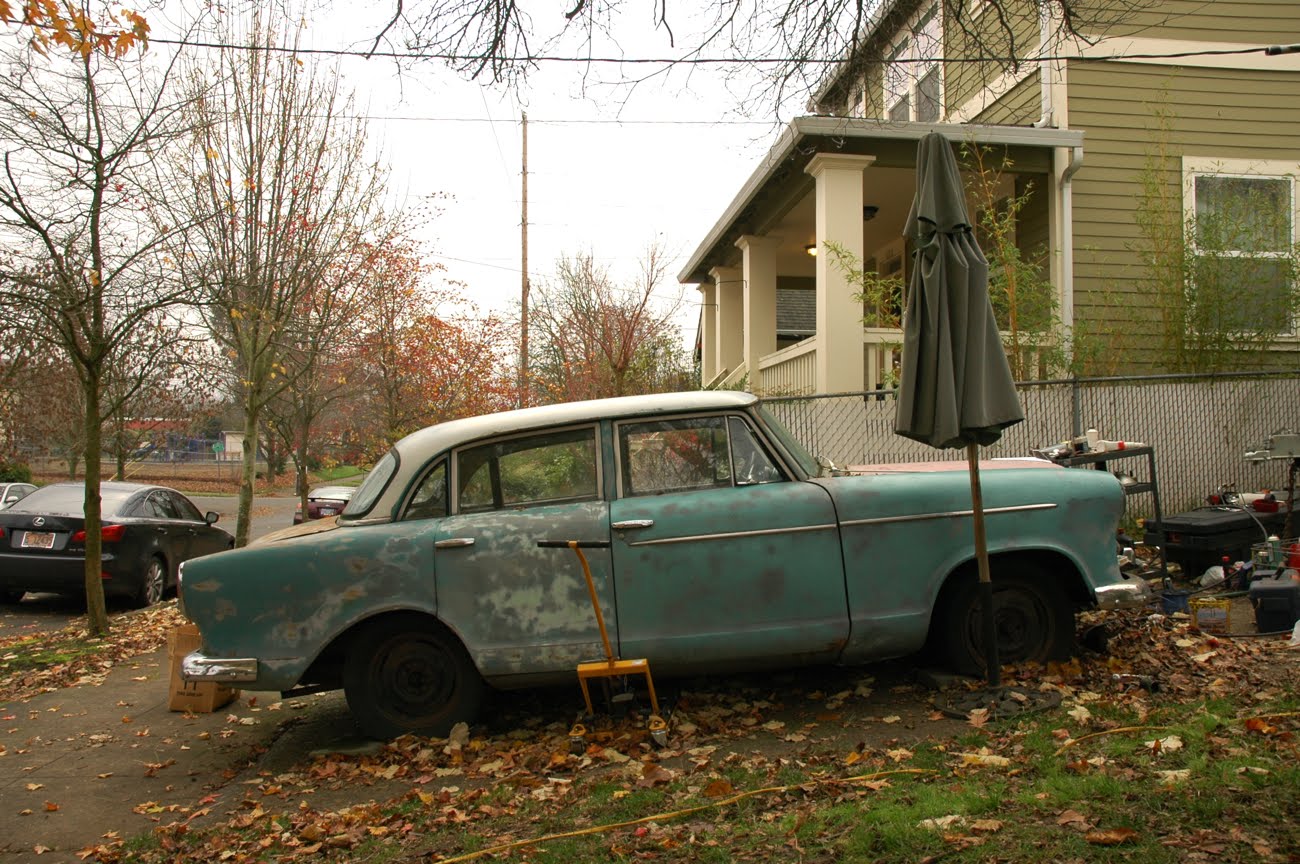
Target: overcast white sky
(607, 174)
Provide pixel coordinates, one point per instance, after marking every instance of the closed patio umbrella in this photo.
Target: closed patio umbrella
(955, 388)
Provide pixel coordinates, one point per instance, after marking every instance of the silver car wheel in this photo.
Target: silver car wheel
(155, 583)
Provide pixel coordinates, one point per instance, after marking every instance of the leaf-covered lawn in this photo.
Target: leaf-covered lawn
(1175, 746)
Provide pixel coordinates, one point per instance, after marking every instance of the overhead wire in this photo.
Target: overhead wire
(1271, 50)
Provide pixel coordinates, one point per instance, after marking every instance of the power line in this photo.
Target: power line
(698, 61)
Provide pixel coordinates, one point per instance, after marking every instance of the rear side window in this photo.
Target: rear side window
(550, 468)
(691, 453)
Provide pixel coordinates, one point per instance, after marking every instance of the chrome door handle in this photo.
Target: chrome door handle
(633, 524)
(454, 543)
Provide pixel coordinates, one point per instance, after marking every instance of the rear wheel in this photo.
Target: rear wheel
(409, 674)
(1033, 619)
(154, 585)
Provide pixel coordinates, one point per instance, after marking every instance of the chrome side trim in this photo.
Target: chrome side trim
(727, 535)
(951, 514)
(453, 543)
(197, 666)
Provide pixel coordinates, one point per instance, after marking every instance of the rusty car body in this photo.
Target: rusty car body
(729, 547)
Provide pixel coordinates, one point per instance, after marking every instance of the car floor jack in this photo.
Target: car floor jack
(611, 666)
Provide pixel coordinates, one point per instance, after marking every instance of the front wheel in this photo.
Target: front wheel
(154, 585)
(1032, 617)
(409, 674)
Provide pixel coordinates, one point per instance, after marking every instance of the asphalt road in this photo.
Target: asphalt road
(52, 611)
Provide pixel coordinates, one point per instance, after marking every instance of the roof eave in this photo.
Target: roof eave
(802, 128)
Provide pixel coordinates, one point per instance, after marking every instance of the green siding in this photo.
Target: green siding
(1020, 107)
(986, 36)
(1229, 114)
(1251, 21)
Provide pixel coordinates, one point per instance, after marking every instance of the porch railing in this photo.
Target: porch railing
(792, 371)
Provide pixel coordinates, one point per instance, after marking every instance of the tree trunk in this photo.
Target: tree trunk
(248, 477)
(300, 457)
(96, 610)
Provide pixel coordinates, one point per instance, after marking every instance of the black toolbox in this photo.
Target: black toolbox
(1276, 600)
(1201, 538)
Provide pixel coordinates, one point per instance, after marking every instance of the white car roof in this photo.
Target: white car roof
(420, 446)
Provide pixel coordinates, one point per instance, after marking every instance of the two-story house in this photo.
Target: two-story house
(1155, 161)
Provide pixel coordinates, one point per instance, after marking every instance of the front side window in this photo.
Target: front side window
(692, 453)
(430, 498)
(1242, 237)
(550, 468)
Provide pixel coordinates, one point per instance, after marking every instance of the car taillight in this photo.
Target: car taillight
(107, 534)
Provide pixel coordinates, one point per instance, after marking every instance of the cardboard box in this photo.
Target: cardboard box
(199, 697)
(1211, 614)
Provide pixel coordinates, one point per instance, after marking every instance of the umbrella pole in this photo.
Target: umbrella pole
(993, 668)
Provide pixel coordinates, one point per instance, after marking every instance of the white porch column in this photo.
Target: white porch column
(839, 316)
(759, 272)
(729, 323)
(708, 332)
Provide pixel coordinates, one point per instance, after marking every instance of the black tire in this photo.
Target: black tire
(10, 597)
(153, 585)
(409, 674)
(1034, 619)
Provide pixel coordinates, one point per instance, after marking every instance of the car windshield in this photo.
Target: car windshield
(368, 492)
(806, 460)
(67, 500)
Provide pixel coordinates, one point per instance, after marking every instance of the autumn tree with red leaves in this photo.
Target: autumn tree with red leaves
(595, 337)
(425, 355)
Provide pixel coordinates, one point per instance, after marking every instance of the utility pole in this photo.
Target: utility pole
(523, 268)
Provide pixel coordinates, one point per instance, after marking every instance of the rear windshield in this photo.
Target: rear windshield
(63, 500)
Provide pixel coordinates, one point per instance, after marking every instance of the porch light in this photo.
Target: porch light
(811, 249)
(869, 212)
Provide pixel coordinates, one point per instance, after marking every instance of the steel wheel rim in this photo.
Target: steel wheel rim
(1020, 620)
(413, 677)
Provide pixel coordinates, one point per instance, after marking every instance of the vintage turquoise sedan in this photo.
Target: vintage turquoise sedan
(725, 546)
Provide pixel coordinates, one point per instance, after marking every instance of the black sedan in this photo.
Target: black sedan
(147, 532)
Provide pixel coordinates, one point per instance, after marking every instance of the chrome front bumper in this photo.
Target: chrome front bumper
(1124, 595)
(197, 666)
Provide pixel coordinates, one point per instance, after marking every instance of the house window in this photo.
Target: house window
(913, 74)
(1242, 232)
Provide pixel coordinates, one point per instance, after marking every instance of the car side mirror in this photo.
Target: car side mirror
(211, 517)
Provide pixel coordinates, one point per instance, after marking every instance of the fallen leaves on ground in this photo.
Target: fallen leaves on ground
(130, 635)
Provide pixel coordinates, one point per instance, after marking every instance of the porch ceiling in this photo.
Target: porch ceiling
(778, 192)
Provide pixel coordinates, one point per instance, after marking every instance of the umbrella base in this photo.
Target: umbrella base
(1000, 702)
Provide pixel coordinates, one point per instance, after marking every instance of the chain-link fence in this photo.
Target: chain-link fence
(1200, 428)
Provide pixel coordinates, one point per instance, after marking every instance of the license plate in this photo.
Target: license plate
(328, 511)
(38, 540)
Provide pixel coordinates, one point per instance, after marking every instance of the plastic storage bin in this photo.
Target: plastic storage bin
(1276, 600)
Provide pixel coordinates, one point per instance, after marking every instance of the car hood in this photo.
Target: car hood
(314, 527)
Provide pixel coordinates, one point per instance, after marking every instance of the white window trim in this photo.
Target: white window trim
(914, 71)
(1273, 169)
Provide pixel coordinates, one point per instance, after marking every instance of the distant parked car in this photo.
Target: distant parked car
(324, 501)
(11, 492)
(147, 532)
(715, 542)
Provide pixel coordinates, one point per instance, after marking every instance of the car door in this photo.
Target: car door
(522, 610)
(168, 528)
(203, 539)
(719, 557)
